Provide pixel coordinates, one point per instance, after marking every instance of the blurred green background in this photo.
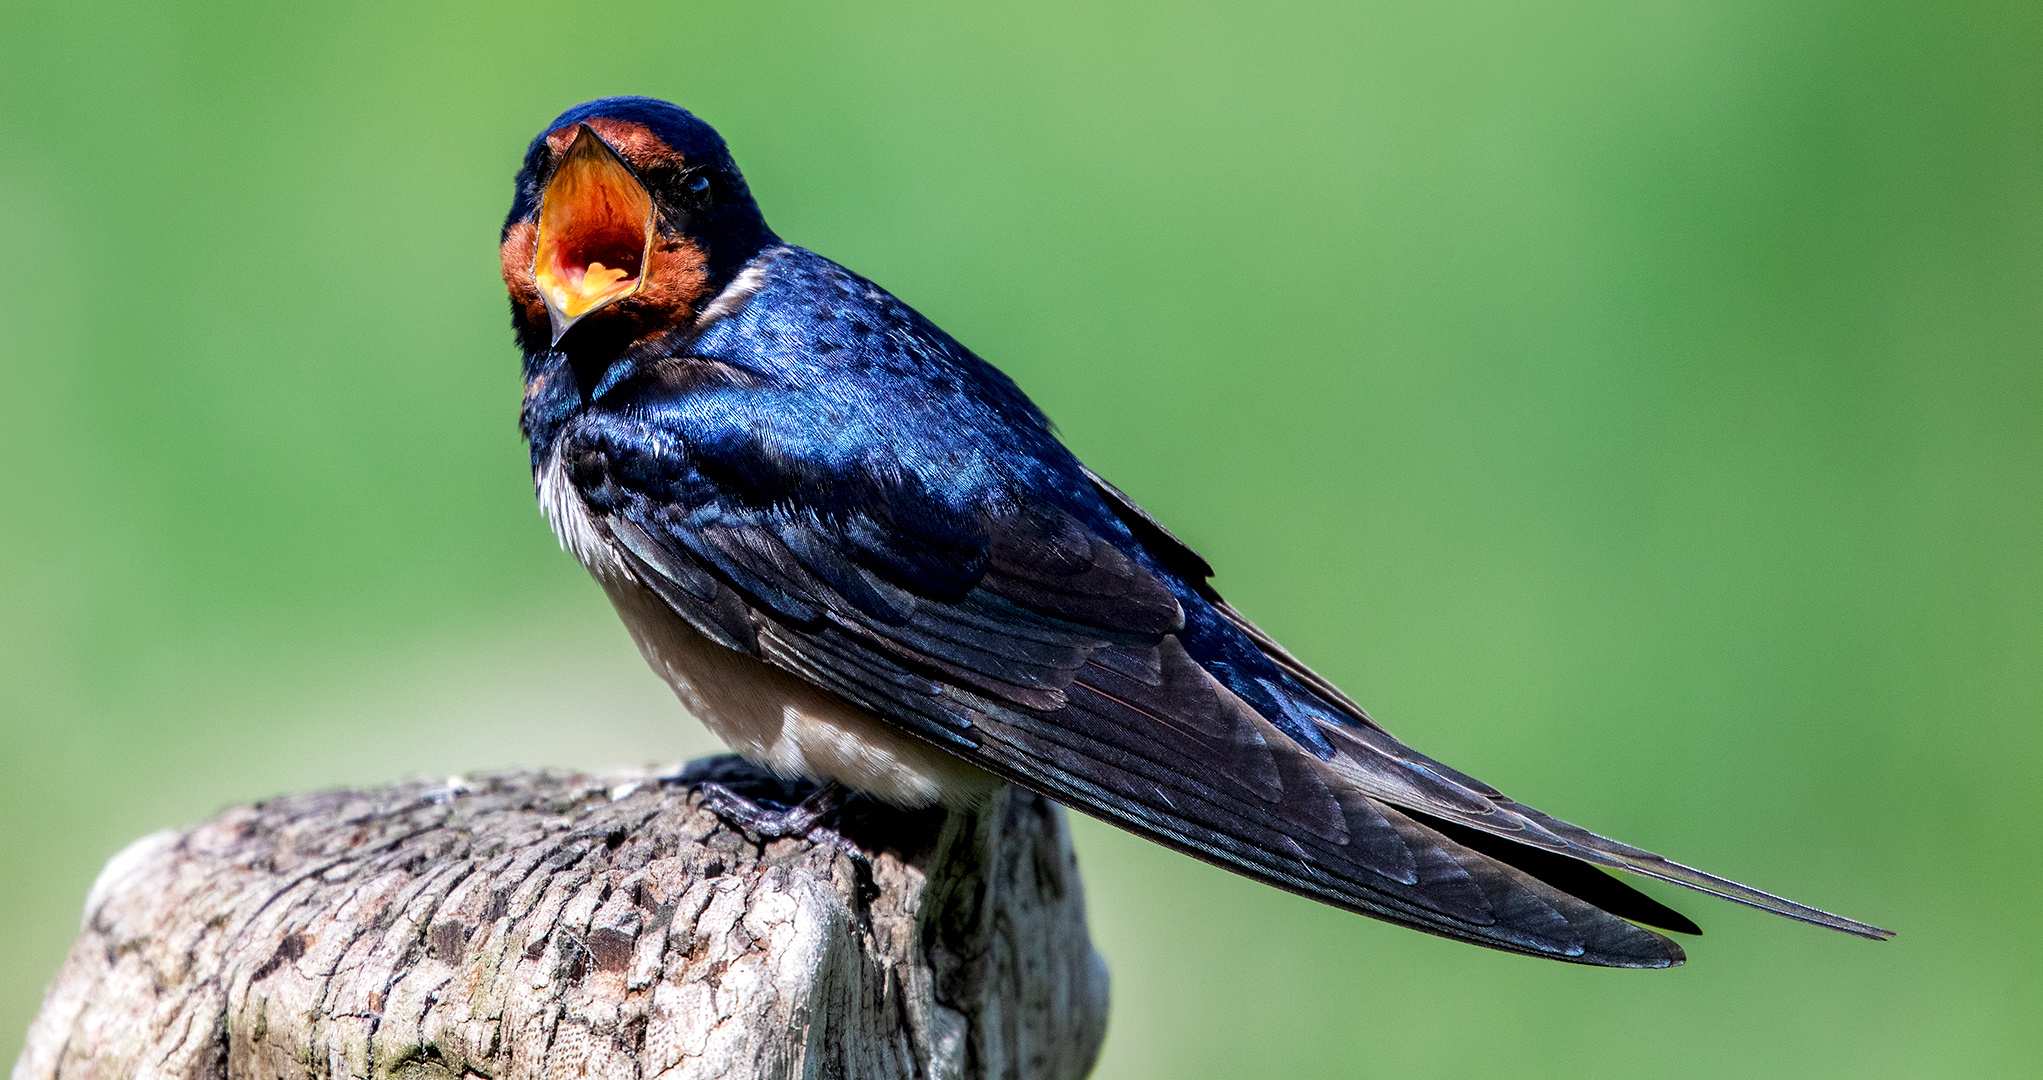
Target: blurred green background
(1638, 405)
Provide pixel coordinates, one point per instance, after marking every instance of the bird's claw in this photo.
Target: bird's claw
(770, 824)
(805, 819)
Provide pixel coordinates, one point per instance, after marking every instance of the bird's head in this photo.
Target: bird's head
(629, 217)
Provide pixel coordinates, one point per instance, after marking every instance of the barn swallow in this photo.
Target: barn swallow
(860, 555)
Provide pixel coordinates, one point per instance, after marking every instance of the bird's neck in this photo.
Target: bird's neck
(562, 381)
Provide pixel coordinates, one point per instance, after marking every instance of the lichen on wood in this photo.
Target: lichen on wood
(552, 925)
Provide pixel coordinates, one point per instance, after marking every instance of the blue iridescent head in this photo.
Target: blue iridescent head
(629, 215)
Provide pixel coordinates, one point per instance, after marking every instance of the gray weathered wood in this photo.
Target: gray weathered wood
(548, 925)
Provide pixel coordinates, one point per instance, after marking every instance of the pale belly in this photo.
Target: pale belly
(785, 724)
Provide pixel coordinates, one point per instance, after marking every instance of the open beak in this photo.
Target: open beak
(595, 233)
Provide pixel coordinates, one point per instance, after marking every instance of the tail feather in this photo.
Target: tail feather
(1604, 851)
(1388, 770)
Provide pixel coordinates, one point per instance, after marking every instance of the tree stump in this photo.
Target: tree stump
(548, 925)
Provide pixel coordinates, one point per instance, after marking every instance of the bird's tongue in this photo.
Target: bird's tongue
(595, 231)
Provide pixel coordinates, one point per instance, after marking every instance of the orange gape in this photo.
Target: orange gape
(595, 232)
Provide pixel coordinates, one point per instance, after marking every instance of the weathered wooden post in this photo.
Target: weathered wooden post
(535, 924)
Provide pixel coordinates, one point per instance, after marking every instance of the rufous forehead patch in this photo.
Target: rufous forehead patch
(633, 141)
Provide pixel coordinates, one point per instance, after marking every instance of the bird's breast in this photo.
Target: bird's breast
(785, 724)
(758, 710)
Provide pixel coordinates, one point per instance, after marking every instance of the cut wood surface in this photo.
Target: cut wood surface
(544, 924)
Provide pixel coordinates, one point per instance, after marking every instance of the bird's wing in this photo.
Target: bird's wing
(1504, 818)
(1011, 632)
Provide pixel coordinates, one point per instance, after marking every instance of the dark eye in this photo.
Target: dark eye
(698, 187)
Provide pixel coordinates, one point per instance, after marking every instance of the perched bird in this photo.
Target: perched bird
(860, 555)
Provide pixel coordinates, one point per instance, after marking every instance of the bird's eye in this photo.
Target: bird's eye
(698, 186)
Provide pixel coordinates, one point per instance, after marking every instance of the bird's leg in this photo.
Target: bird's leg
(796, 820)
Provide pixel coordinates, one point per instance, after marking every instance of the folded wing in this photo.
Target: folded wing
(1051, 651)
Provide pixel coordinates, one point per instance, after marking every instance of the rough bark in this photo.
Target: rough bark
(552, 925)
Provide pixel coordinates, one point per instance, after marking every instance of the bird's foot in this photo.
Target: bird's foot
(775, 823)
